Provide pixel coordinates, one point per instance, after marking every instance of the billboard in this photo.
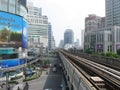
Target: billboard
(117, 46)
(13, 34)
(25, 34)
(10, 29)
(99, 46)
(11, 63)
(13, 30)
(6, 51)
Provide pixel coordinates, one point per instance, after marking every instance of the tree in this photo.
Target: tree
(118, 51)
(112, 54)
(4, 35)
(89, 51)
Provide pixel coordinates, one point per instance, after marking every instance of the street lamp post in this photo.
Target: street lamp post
(7, 76)
(1, 75)
(6, 70)
(6, 79)
(24, 68)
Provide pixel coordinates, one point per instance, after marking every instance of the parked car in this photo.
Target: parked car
(54, 69)
(45, 66)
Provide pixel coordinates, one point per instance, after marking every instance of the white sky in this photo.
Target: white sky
(64, 14)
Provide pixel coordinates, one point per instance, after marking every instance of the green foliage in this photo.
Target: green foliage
(33, 77)
(9, 35)
(4, 35)
(102, 54)
(46, 62)
(15, 36)
(12, 82)
(89, 51)
(118, 51)
(112, 55)
(109, 54)
(115, 55)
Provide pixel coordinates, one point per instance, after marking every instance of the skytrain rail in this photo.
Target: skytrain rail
(107, 61)
(110, 75)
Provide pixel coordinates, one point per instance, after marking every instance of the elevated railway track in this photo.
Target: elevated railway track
(107, 61)
(109, 79)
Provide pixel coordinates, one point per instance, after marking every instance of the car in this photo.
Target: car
(54, 69)
(45, 66)
(28, 72)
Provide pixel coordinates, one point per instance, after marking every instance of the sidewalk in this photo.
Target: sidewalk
(4, 87)
(21, 86)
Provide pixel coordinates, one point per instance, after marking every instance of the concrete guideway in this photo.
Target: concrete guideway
(111, 79)
(75, 80)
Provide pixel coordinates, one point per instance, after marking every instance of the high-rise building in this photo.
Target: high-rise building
(68, 37)
(38, 26)
(93, 22)
(76, 44)
(34, 10)
(103, 40)
(53, 46)
(106, 39)
(23, 2)
(14, 6)
(61, 44)
(112, 12)
(82, 38)
(13, 44)
(49, 36)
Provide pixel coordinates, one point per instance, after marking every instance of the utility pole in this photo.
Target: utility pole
(7, 77)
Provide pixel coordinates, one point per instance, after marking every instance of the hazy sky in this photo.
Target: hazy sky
(64, 14)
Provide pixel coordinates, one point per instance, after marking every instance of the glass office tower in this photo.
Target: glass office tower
(112, 12)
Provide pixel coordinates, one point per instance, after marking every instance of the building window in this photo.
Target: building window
(102, 37)
(12, 6)
(108, 49)
(4, 5)
(108, 37)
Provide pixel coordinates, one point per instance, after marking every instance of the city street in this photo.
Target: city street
(52, 80)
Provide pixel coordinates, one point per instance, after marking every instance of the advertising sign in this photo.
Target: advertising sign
(13, 34)
(10, 29)
(99, 46)
(6, 51)
(11, 63)
(25, 34)
(22, 61)
(118, 46)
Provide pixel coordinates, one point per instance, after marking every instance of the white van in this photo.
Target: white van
(54, 69)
